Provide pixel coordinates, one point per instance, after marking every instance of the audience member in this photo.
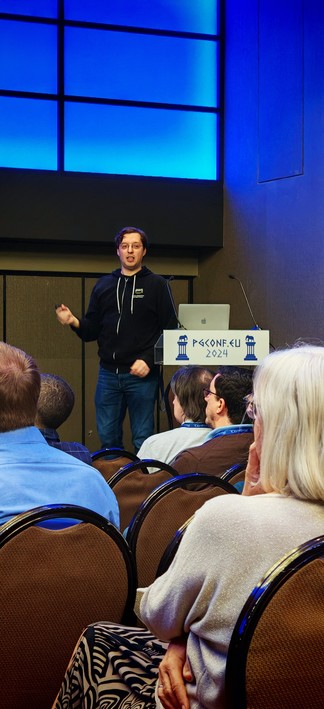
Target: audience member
(55, 404)
(231, 543)
(32, 473)
(189, 408)
(228, 443)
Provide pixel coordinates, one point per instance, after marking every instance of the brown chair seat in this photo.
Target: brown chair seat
(53, 584)
(163, 512)
(109, 460)
(276, 654)
(133, 483)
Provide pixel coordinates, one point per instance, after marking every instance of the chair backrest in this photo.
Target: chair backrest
(172, 548)
(132, 484)
(53, 584)
(109, 460)
(235, 474)
(276, 654)
(163, 512)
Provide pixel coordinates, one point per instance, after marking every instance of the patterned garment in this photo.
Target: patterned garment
(78, 450)
(112, 666)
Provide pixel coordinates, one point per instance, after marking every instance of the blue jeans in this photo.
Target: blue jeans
(115, 393)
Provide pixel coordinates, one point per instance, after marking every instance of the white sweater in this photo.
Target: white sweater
(166, 445)
(231, 543)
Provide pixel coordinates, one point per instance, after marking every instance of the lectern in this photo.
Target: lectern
(212, 347)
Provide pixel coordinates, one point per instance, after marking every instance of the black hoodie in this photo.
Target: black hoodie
(126, 315)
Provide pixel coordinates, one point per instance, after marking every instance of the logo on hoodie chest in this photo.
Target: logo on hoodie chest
(139, 293)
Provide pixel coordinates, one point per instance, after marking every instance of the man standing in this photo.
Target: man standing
(128, 310)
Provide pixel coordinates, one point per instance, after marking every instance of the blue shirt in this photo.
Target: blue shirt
(32, 473)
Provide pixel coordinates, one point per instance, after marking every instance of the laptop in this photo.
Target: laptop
(204, 316)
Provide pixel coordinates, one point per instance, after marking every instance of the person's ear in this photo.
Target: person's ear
(257, 432)
(252, 485)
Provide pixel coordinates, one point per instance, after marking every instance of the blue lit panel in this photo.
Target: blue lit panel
(135, 141)
(38, 8)
(180, 15)
(28, 57)
(28, 129)
(135, 67)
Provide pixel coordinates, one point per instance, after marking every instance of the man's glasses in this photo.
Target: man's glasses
(124, 247)
(250, 408)
(207, 393)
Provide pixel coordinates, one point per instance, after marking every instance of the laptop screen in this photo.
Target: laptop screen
(204, 316)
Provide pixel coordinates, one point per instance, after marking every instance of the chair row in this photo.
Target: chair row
(54, 583)
(82, 573)
(132, 482)
(110, 460)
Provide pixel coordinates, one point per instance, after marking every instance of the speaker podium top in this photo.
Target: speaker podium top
(212, 347)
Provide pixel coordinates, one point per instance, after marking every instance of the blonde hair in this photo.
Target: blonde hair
(289, 400)
(19, 388)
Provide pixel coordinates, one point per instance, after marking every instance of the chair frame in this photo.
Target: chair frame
(116, 452)
(172, 548)
(233, 471)
(142, 465)
(252, 611)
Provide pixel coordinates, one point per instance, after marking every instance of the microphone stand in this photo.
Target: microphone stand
(235, 278)
(257, 327)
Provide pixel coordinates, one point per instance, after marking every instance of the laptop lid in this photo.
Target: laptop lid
(204, 316)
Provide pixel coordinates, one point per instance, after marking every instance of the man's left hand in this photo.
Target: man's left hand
(139, 368)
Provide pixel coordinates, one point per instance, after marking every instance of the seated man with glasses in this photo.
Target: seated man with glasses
(228, 413)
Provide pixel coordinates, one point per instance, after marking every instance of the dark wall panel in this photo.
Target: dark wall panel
(91, 375)
(1, 308)
(31, 325)
(71, 207)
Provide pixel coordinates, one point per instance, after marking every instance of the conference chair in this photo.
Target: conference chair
(163, 512)
(53, 584)
(109, 460)
(276, 654)
(133, 483)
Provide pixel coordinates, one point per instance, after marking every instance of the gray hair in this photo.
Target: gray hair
(289, 400)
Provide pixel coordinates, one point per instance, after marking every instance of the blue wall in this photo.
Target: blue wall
(274, 228)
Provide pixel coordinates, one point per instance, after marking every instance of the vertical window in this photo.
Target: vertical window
(28, 133)
(118, 88)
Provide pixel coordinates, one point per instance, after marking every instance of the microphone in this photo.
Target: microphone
(235, 278)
